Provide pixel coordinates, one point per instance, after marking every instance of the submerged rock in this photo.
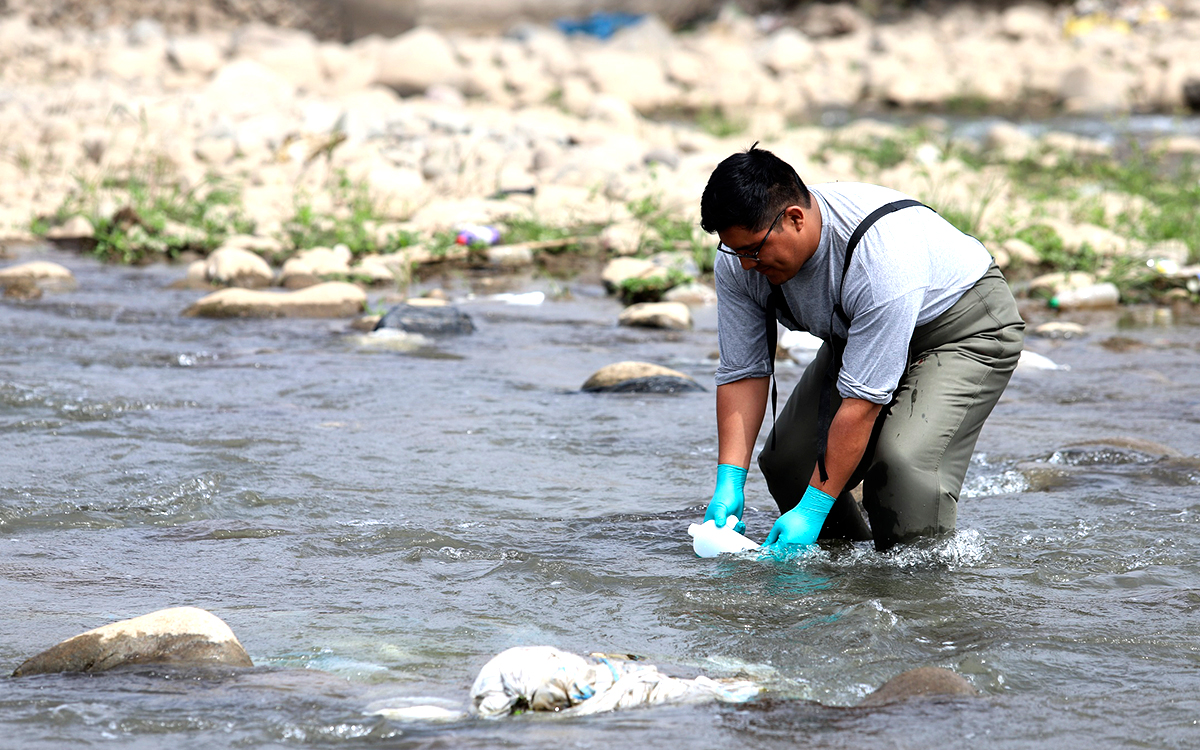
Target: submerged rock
(922, 682)
(639, 377)
(38, 273)
(1119, 444)
(652, 384)
(180, 636)
(430, 320)
(1059, 329)
(333, 299)
(21, 289)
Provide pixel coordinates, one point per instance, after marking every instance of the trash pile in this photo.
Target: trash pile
(543, 678)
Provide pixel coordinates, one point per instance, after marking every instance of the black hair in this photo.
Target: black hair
(748, 190)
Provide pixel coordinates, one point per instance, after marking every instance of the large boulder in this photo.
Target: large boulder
(333, 299)
(182, 636)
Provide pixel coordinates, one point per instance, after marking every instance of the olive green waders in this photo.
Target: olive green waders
(913, 468)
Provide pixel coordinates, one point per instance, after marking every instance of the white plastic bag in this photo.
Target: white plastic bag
(543, 678)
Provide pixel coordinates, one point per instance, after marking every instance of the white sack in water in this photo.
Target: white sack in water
(1034, 361)
(801, 346)
(526, 298)
(542, 678)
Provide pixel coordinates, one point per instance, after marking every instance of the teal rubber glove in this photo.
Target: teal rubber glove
(729, 497)
(801, 524)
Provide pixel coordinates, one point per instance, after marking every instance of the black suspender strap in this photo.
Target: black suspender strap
(775, 301)
(824, 415)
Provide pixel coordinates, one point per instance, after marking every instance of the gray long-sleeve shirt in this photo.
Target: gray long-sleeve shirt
(908, 268)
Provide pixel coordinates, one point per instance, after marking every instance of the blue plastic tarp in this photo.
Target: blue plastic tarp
(600, 24)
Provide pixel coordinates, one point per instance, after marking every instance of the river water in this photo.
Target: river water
(375, 524)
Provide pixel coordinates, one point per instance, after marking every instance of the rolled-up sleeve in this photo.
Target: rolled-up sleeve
(741, 333)
(877, 349)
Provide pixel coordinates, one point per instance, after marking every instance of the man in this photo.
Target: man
(921, 336)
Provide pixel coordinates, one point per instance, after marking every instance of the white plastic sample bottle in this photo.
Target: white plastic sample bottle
(709, 540)
(1104, 294)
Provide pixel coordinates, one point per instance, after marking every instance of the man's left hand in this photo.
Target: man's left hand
(802, 524)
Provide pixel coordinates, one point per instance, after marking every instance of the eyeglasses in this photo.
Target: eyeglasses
(752, 254)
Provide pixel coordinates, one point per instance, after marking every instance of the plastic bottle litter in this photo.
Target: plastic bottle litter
(1034, 361)
(523, 298)
(709, 540)
(1164, 266)
(1103, 294)
(477, 234)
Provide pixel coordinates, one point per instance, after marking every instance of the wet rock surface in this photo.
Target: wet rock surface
(650, 384)
(332, 299)
(429, 320)
(639, 377)
(919, 683)
(180, 636)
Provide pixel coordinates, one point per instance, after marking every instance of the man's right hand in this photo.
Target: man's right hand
(729, 497)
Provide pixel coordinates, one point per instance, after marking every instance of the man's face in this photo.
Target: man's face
(772, 251)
